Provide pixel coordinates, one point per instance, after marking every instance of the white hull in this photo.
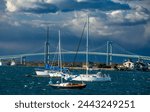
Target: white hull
(42, 72)
(91, 78)
(48, 73)
(1, 64)
(55, 74)
(12, 63)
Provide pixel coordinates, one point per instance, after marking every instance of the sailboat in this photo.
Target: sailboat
(62, 84)
(90, 77)
(48, 71)
(57, 70)
(1, 64)
(44, 72)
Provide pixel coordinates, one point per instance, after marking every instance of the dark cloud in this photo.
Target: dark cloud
(97, 4)
(43, 8)
(64, 6)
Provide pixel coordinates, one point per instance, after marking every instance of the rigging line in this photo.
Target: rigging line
(98, 48)
(34, 51)
(38, 49)
(65, 50)
(77, 49)
(123, 49)
(55, 56)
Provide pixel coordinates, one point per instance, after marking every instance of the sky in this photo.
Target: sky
(124, 22)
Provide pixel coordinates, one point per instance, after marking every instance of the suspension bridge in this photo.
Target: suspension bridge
(109, 53)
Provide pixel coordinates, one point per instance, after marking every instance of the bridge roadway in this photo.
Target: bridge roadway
(73, 52)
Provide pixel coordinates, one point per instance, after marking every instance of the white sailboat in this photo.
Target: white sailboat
(44, 72)
(1, 63)
(13, 63)
(62, 84)
(48, 71)
(57, 73)
(90, 77)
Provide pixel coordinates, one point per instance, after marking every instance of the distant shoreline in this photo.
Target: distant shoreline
(81, 68)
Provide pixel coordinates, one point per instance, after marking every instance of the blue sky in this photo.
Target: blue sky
(23, 24)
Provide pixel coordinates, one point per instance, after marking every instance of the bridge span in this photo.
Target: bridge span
(73, 52)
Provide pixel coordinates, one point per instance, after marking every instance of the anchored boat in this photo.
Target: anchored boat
(65, 85)
(68, 85)
(91, 77)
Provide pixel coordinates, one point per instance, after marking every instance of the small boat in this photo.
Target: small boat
(13, 63)
(68, 85)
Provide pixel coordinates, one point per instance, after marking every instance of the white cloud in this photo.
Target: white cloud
(17, 5)
(128, 16)
(10, 6)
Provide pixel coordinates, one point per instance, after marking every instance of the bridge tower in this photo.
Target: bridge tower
(109, 53)
(23, 60)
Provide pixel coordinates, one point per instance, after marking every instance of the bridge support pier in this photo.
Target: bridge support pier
(23, 60)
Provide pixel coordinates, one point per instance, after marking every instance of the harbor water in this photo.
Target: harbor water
(18, 81)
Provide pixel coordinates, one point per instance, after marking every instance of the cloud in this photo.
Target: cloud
(36, 6)
(8, 19)
(134, 3)
(129, 17)
(115, 21)
(53, 6)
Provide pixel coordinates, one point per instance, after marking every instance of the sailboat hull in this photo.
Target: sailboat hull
(68, 86)
(55, 74)
(42, 73)
(91, 78)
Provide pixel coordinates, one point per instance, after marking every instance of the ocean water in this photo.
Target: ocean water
(14, 81)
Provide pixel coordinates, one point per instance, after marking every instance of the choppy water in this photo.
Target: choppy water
(13, 81)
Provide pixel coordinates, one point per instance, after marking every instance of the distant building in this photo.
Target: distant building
(128, 64)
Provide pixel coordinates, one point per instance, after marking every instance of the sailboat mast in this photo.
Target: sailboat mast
(47, 47)
(87, 43)
(60, 61)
